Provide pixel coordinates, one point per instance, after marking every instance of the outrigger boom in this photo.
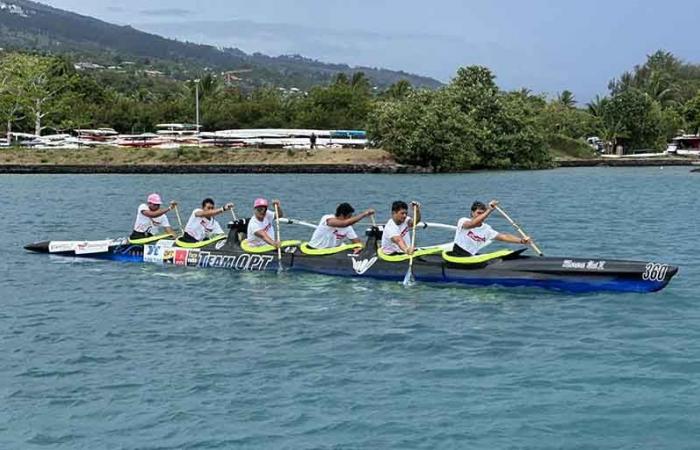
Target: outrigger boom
(508, 268)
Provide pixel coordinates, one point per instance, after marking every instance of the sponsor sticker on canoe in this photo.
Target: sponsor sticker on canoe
(168, 256)
(584, 265)
(193, 258)
(63, 246)
(153, 254)
(235, 262)
(180, 257)
(88, 247)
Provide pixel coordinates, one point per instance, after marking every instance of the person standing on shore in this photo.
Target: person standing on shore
(396, 237)
(202, 224)
(312, 138)
(150, 218)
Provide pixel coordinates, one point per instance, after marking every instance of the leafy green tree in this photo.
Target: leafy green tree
(398, 91)
(691, 114)
(43, 80)
(468, 124)
(11, 90)
(634, 117)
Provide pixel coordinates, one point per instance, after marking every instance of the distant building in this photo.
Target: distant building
(153, 73)
(13, 9)
(87, 66)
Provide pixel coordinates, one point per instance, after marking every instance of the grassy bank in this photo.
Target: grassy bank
(191, 155)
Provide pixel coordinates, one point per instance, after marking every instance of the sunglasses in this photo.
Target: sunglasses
(261, 208)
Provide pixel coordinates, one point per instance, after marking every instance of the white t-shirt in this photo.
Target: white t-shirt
(256, 225)
(150, 225)
(326, 236)
(201, 228)
(391, 230)
(474, 239)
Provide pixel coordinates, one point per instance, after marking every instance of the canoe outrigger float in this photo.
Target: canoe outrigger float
(509, 268)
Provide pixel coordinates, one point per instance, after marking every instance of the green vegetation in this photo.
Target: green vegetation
(468, 124)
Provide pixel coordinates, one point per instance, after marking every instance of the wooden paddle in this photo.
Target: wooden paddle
(409, 278)
(277, 237)
(520, 230)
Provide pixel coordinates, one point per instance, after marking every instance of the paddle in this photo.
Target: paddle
(277, 237)
(408, 279)
(179, 221)
(520, 230)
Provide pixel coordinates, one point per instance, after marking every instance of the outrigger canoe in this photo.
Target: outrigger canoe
(508, 268)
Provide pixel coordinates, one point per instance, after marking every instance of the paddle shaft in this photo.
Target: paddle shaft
(277, 233)
(520, 230)
(413, 237)
(179, 221)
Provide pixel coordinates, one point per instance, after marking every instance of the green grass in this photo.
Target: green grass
(564, 147)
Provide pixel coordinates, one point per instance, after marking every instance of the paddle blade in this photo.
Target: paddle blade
(408, 279)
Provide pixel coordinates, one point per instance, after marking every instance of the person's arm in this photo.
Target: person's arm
(478, 220)
(213, 212)
(357, 241)
(505, 237)
(155, 214)
(342, 223)
(262, 234)
(398, 240)
(279, 208)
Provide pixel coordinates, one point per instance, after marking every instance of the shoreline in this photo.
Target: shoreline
(36, 169)
(251, 161)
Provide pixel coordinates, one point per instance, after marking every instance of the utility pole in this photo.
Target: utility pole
(196, 102)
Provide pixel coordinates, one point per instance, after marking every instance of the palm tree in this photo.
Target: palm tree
(567, 98)
(595, 106)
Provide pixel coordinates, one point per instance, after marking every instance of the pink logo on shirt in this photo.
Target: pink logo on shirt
(338, 235)
(476, 237)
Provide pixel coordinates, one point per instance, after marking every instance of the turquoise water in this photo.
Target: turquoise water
(116, 355)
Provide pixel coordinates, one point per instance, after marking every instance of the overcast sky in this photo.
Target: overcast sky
(545, 45)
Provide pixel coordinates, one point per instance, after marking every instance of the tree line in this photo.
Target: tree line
(469, 123)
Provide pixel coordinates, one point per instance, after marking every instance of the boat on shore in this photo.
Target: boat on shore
(685, 145)
(434, 265)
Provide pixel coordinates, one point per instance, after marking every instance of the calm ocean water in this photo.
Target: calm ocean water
(115, 355)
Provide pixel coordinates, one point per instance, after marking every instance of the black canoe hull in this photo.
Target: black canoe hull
(576, 275)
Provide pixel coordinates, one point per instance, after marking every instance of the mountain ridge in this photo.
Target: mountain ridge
(28, 25)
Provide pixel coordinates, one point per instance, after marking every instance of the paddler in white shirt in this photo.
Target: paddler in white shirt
(473, 233)
(151, 218)
(202, 224)
(396, 237)
(333, 230)
(261, 227)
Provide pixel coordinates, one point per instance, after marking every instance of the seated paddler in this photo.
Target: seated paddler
(151, 218)
(473, 233)
(202, 225)
(396, 237)
(334, 229)
(261, 228)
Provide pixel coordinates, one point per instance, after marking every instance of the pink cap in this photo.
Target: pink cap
(155, 199)
(259, 202)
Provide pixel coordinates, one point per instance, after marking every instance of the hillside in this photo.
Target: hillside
(27, 25)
